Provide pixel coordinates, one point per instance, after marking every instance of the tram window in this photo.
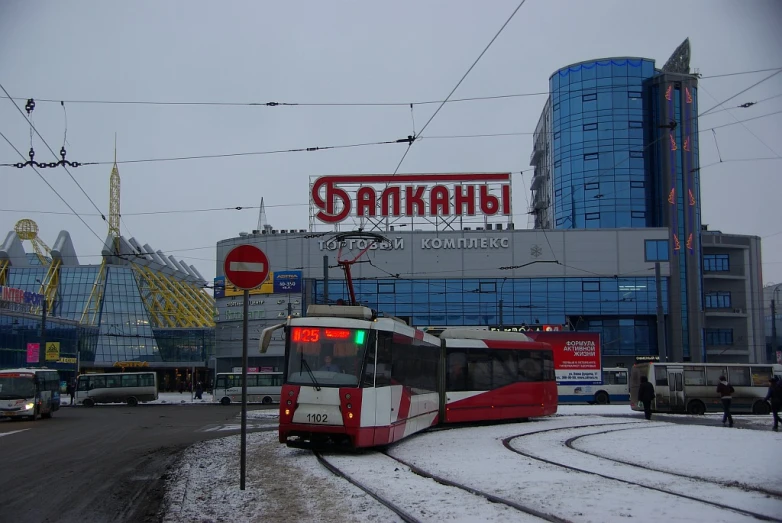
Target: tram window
(530, 366)
(713, 375)
(739, 376)
(661, 376)
(479, 371)
(761, 375)
(504, 368)
(456, 377)
(694, 377)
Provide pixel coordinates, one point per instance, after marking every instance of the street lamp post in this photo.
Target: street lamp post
(501, 301)
(774, 343)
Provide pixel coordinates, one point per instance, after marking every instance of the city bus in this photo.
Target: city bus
(262, 387)
(614, 387)
(120, 387)
(29, 393)
(692, 387)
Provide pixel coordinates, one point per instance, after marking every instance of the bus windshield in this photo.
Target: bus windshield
(17, 386)
(326, 356)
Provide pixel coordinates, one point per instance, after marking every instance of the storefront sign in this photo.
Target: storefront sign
(19, 296)
(287, 281)
(529, 328)
(394, 196)
(332, 245)
(576, 356)
(465, 243)
(642, 359)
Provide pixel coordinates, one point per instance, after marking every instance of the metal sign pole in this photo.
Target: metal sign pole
(245, 309)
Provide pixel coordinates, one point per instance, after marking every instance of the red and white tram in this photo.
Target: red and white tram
(355, 379)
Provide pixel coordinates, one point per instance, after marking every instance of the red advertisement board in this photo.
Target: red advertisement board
(576, 355)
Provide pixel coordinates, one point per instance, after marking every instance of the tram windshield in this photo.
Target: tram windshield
(326, 356)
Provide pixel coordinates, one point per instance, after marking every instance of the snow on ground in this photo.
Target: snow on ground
(290, 485)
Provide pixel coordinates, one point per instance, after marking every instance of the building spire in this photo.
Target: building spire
(263, 224)
(114, 210)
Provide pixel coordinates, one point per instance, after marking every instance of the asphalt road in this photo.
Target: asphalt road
(108, 463)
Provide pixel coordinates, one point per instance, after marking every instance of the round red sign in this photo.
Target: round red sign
(246, 267)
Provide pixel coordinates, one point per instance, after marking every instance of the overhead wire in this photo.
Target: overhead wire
(53, 189)
(704, 113)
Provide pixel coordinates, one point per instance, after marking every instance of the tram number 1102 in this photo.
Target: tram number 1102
(317, 418)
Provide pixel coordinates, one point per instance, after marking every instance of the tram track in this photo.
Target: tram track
(492, 502)
(570, 443)
(700, 482)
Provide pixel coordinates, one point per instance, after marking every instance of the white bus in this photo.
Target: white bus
(121, 387)
(29, 393)
(613, 387)
(692, 387)
(262, 387)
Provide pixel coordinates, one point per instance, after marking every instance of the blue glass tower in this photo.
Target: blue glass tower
(616, 147)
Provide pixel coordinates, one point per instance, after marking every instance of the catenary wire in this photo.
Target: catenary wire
(704, 113)
(52, 151)
(340, 104)
(53, 189)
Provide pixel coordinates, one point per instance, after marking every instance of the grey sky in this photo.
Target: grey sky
(345, 51)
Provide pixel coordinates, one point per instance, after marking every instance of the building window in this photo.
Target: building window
(634, 94)
(719, 336)
(637, 185)
(590, 126)
(593, 186)
(638, 214)
(386, 288)
(592, 216)
(589, 97)
(718, 300)
(557, 135)
(656, 250)
(637, 154)
(558, 163)
(716, 263)
(590, 286)
(634, 124)
(487, 286)
(590, 156)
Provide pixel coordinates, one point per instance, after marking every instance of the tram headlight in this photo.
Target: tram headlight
(350, 415)
(287, 412)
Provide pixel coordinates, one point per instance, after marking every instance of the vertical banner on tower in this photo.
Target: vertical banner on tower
(33, 352)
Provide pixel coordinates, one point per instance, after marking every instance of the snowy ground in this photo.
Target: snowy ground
(709, 462)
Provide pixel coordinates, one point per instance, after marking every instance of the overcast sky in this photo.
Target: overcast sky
(345, 51)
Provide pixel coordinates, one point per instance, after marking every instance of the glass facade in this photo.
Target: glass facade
(123, 330)
(622, 309)
(598, 121)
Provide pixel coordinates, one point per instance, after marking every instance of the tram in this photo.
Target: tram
(357, 380)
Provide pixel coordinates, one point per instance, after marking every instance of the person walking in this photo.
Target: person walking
(774, 395)
(725, 390)
(71, 389)
(646, 395)
(199, 390)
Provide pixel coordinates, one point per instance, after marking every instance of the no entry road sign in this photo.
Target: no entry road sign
(246, 267)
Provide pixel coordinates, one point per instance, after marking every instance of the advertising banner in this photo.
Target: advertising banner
(53, 351)
(287, 281)
(33, 352)
(576, 356)
(226, 290)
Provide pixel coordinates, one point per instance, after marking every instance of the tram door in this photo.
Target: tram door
(676, 389)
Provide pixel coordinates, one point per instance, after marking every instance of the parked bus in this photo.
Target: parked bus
(614, 387)
(29, 393)
(262, 387)
(692, 387)
(121, 387)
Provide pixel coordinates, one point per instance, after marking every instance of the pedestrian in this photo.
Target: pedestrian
(646, 395)
(725, 390)
(71, 388)
(199, 390)
(774, 395)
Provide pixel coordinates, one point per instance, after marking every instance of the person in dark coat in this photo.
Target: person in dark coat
(646, 395)
(199, 390)
(774, 395)
(725, 390)
(71, 388)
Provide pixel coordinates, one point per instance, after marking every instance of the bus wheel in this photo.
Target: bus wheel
(696, 408)
(267, 400)
(132, 402)
(88, 403)
(225, 401)
(601, 398)
(760, 408)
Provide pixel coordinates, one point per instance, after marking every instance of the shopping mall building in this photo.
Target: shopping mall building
(135, 308)
(617, 223)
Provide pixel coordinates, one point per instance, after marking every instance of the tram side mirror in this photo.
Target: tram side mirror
(266, 336)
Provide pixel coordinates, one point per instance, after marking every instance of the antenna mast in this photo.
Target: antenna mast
(114, 213)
